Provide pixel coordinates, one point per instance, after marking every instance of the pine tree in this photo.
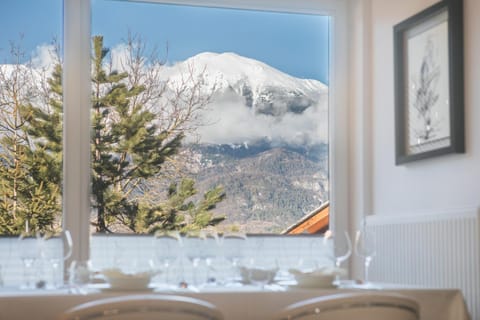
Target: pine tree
(127, 145)
(130, 147)
(44, 128)
(180, 212)
(29, 195)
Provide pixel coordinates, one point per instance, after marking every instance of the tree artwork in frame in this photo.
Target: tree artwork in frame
(428, 56)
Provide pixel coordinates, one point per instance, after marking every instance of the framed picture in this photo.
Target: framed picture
(429, 97)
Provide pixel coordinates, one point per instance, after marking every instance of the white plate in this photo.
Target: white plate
(110, 289)
(352, 284)
(310, 281)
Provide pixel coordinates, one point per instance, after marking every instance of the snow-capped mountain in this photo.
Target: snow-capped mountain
(253, 100)
(266, 140)
(265, 89)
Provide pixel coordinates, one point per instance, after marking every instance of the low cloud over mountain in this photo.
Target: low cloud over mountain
(254, 101)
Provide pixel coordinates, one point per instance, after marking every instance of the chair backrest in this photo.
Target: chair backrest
(144, 307)
(348, 306)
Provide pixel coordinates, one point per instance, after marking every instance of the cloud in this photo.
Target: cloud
(120, 54)
(229, 120)
(45, 57)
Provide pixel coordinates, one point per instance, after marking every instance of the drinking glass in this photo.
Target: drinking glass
(211, 254)
(261, 267)
(79, 275)
(287, 258)
(202, 249)
(261, 271)
(194, 245)
(6, 249)
(1, 276)
(133, 255)
(313, 254)
(56, 249)
(365, 247)
(29, 252)
(168, 247)
(233, 251)
(342, 248)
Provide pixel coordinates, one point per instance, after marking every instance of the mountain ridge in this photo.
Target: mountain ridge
(265, 89)
(267, 187)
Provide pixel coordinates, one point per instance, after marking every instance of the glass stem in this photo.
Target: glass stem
(1, 276)
(167, 273)
(367, 264)
(337, 264)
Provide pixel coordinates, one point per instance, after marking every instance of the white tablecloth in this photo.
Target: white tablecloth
(236, 304)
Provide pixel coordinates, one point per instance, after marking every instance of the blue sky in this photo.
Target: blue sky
(29, 23)
(293, 43)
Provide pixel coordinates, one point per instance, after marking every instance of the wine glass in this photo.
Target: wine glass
(365, 247)
(211, 254)
(233, 250)
(313, 254)
(29, 252)
(56, 249)
(79, 276)
(7, 249)
(342, 250)
(201, 248)
(261, 267)
(194, 245)
(130, 257)
(168, 246)
(1, 276)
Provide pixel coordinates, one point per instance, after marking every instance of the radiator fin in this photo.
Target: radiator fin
(435, 251)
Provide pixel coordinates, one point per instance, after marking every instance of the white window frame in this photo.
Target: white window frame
(77, 105)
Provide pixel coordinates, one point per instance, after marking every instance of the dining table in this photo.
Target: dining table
(236, 303)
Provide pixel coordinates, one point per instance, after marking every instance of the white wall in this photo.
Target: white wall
(443, 184)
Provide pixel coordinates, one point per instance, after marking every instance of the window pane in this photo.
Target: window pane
(207, 117)
(30, 116)
(31, 143)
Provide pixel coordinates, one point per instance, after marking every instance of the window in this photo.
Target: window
(76, 52)
(77, 38)
(240, 98)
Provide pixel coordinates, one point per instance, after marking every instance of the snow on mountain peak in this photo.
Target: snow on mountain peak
(266, 89)
(230, 68)
(229, 63)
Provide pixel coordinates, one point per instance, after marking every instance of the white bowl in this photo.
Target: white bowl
(127, 281)
(321, 278)
(255, 275)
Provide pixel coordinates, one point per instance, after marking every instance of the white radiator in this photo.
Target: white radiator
(437, 251)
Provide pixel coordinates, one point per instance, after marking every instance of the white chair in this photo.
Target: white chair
(353, 306)
(144, 307)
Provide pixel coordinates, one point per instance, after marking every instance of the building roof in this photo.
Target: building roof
(314, 222)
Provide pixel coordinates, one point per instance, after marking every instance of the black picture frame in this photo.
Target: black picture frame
(429, 83)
